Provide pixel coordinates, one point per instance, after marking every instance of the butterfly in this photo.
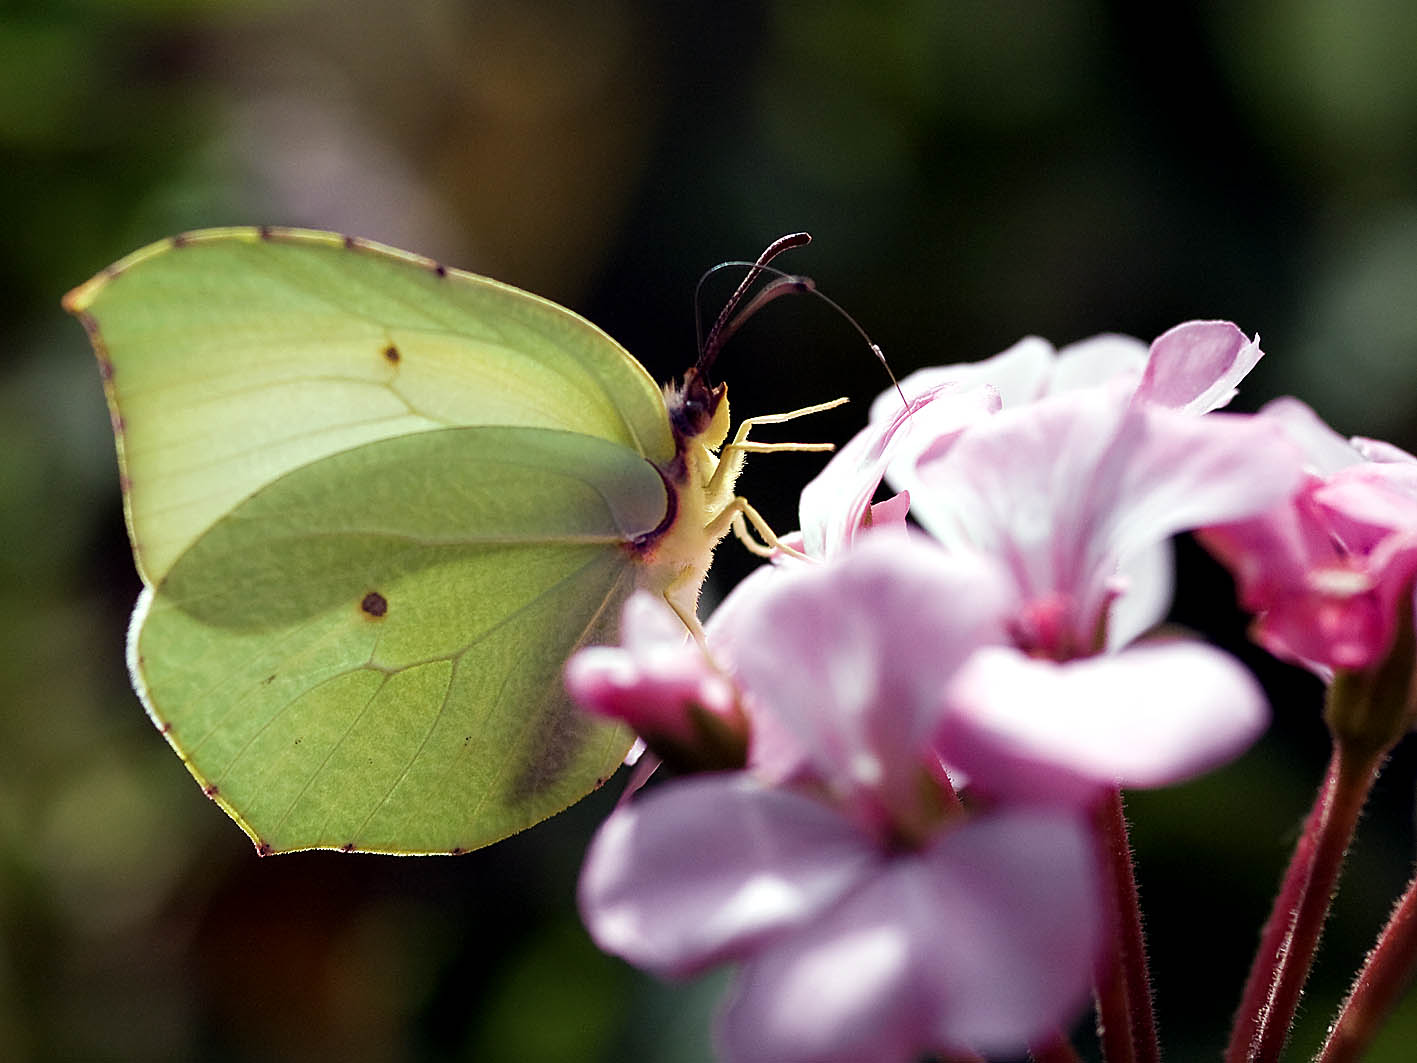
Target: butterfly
(375, 503)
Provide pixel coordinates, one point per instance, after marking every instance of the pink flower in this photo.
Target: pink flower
(1327, 569)
(1074, 493)
(871, 916)
(1190, 369)
(661, 683)
(1194, 366)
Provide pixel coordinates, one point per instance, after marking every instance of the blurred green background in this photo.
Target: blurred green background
(972, 172)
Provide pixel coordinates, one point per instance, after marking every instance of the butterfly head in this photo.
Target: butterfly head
(698, 411)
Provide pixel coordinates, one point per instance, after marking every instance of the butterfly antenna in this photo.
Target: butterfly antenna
(726, 323)
(784, 284)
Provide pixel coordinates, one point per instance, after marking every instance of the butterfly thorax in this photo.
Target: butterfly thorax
(676, 557)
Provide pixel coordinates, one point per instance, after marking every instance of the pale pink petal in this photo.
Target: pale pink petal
(1170, 472)
(1272, 553)
(1008, 484)
(1144, 584)
(1196, 365)
(656, 680)
(1017, 375)
(836, 505)
(1098, 360)
(1151, 715)
(892, 512)
(709, 868)
(852, 657)
(775, 752)
(1324, 450)
(1014, 959)
(1376, 450)
(649, 626)
(983, 942)
(1029, 370)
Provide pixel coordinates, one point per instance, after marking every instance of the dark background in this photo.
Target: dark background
(972, 172)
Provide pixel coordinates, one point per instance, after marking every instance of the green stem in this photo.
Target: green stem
(1385, 976)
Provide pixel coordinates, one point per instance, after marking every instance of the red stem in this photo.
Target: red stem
(1127, 1023)
(1276, 929)
(1114, 1019)
(1342, 801)
(1385, 975)
(1056, 1050)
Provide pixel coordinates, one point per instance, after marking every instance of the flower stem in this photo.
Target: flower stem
(1124, 1005)
(1114, 1018)
(1056, 1049)
(1302, 907)
(1276, 928)
(1385, 975)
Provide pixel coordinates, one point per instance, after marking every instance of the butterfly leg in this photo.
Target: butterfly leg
(731, 460)
(690, 620)
(733, 516)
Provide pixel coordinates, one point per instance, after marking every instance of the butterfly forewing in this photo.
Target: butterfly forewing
(234, 356)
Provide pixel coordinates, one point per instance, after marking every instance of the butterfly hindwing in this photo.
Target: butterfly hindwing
(367, 653)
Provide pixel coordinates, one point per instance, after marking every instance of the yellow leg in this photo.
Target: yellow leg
(690, 620)
(791, 415)
(732, 516)
(731, 458)
(740, 529)
(774, 448)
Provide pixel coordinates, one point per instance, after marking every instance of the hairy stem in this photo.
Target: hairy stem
(1385, 976)
(1341, 798)
(1124, 1008)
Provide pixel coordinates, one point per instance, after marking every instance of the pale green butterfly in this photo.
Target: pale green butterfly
(375, 504)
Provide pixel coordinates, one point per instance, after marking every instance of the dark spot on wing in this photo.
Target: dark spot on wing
(391, 354)
(374, 604)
